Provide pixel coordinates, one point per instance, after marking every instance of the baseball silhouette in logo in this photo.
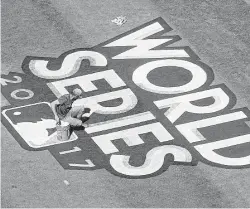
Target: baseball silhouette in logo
(35, 124)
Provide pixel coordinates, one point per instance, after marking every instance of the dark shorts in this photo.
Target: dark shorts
(74, 116)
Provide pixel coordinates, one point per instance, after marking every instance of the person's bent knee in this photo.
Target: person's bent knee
(73, 121)
(78, 123)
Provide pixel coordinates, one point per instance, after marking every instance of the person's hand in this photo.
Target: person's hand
(57, 119)
(87, 110)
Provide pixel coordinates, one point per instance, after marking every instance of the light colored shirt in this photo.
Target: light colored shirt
(64, 106)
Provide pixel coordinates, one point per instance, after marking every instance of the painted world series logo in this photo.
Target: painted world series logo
(154, 106)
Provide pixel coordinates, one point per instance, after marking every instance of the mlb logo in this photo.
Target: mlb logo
(35, 124)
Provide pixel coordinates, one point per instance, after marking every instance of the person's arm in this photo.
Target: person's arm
(87, 112)
(53, 107)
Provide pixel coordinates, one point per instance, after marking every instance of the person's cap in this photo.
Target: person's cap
(77, 92)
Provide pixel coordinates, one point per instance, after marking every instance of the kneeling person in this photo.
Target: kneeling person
(63, 110)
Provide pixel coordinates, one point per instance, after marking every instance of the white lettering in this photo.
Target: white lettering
(154, 160)
(190, 130)
(119, 122)
(199, 76)
(207, 151)
(181, 104)
(70, 65)
(131, 136)
(142, 49)
(85, 82)
(129, 101)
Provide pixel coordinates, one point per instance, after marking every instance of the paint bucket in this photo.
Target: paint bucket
(63, 131)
